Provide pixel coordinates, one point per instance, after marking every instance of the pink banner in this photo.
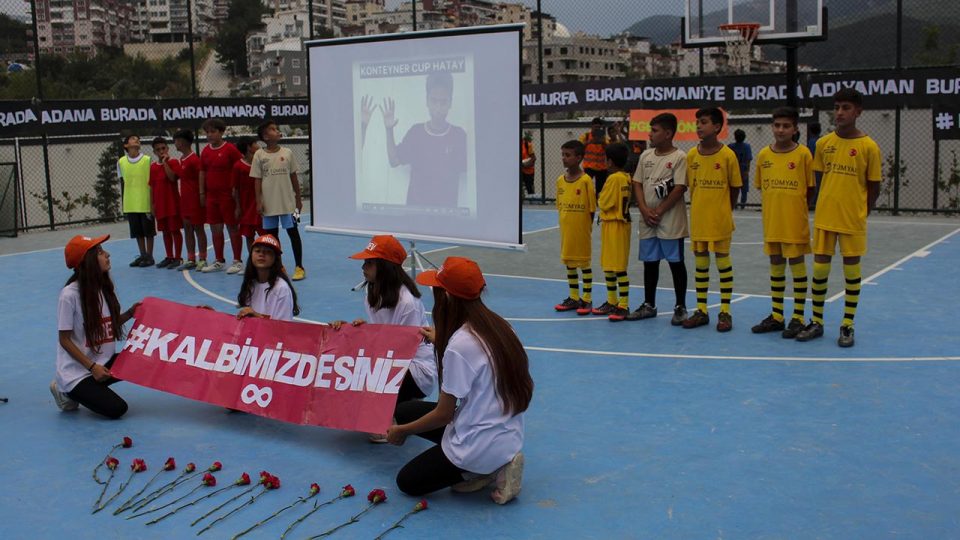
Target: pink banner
(296, 372)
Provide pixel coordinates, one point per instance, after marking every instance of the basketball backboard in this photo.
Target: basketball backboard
(781, 21)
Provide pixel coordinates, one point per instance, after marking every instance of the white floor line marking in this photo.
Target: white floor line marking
(750, 358)
(545, 229)
(893, 266)
(231, 303)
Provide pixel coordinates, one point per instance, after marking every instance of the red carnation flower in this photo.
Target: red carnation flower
(274, 483)
(376, 496)
(111, 462)
(348, 491)
(127, 442)
(422, 505)
(170, 464)
(215, 467)
(244, 480)
(209, 479)
(314, 488)
(190, 467)
(138, 465)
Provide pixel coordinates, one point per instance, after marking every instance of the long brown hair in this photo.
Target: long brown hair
(250, 280)
(92, 283)
(384, 292)
(508, 358)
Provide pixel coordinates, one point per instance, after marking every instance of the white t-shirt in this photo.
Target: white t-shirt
(275, 170)
(70, 317)
(409, 312)
(481, 438)
(277, 302)
(658, 175)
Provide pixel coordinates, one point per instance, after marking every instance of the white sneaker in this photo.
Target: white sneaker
(474, 484)
(216, 266)
(235, 268)
(63, 401)
(509, 478)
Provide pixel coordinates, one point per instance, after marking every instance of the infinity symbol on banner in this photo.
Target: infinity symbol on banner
(253, 393)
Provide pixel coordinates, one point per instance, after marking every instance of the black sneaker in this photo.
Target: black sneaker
(618, 314)
(164, 263)
(567, 305)
(146, 261)
(679, 315)
(794, 328)
(846, 336)
(136, 262)
(770, 324)
(604, 309)
(811, 331)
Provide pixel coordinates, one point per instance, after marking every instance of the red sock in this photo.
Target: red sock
(218, 245)
(236, 242)
(177, 243)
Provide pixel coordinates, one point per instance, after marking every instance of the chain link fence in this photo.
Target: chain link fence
(102, 50)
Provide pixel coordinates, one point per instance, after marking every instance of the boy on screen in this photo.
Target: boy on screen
(436, 150)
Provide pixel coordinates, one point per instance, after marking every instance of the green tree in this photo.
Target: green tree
(243, 16)
(13, 35)
(106, 190)
(931, 52)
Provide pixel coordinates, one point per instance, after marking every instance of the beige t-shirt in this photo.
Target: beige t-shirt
(658, 175)
(275, 169)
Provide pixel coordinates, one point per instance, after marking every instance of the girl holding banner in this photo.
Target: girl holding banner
(484, 368)
(267, 292)
(393, 298)
(88, 321)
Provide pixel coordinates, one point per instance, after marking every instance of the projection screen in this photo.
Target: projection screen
(418, 135)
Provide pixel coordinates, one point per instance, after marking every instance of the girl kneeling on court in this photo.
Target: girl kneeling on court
(88, 322)
(393, 298)
(267, 292)
(485, 387)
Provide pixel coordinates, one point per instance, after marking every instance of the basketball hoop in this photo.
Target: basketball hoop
(738, 38)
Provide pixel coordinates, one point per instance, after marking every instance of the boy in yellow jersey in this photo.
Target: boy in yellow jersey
(784, 176)
(850, 162)
(576, 203)
(614, 207)
(713, 175)
(659, 186)
(133, 168)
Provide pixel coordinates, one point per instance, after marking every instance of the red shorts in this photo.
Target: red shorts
(248, 231)
(169, 223)
(221, 208)
(190, 207)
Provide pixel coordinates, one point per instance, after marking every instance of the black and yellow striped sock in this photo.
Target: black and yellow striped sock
(818, 292)
(701, 274)
(778, 284)
(587, 274)
(725, 268)
(623, 284)
(611, 278)
(573, 282)
(851, 275)
(799, 272)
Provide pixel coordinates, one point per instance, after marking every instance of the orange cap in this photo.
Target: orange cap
(78, 246)
(268, 240)
(459, 276)
(384, 247)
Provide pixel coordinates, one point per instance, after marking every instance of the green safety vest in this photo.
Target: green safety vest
(136, 184)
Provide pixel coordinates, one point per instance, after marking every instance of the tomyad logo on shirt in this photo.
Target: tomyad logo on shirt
(853, 152)
(791, 165)
(716, 166)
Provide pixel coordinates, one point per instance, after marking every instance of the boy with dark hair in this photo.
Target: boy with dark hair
(216, 194)
(850, 162)
(614, 207)
(436, 150)
(165, 202)
(576, 203)
(714, 178)
(784, 177)
(245, 192)
(274, 169)
(133, 168)
(659, 187)
(187, 169)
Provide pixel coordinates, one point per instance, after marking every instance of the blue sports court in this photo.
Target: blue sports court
(636, 430)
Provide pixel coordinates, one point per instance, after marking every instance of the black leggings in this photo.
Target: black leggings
(295, 242)
(98, 397)
(431, 470)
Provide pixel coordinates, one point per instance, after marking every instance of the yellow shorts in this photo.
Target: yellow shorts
(576, 263)
(712, 246)
(614, 245)
(851, 245)
(787, 251)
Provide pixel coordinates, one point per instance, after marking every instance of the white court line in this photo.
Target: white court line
(543, 230)
(922, 252)
(751, 358)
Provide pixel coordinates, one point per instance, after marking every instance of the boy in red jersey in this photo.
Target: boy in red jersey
(187, 169)
(216, 194)
(245, 191)
(165, 201)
